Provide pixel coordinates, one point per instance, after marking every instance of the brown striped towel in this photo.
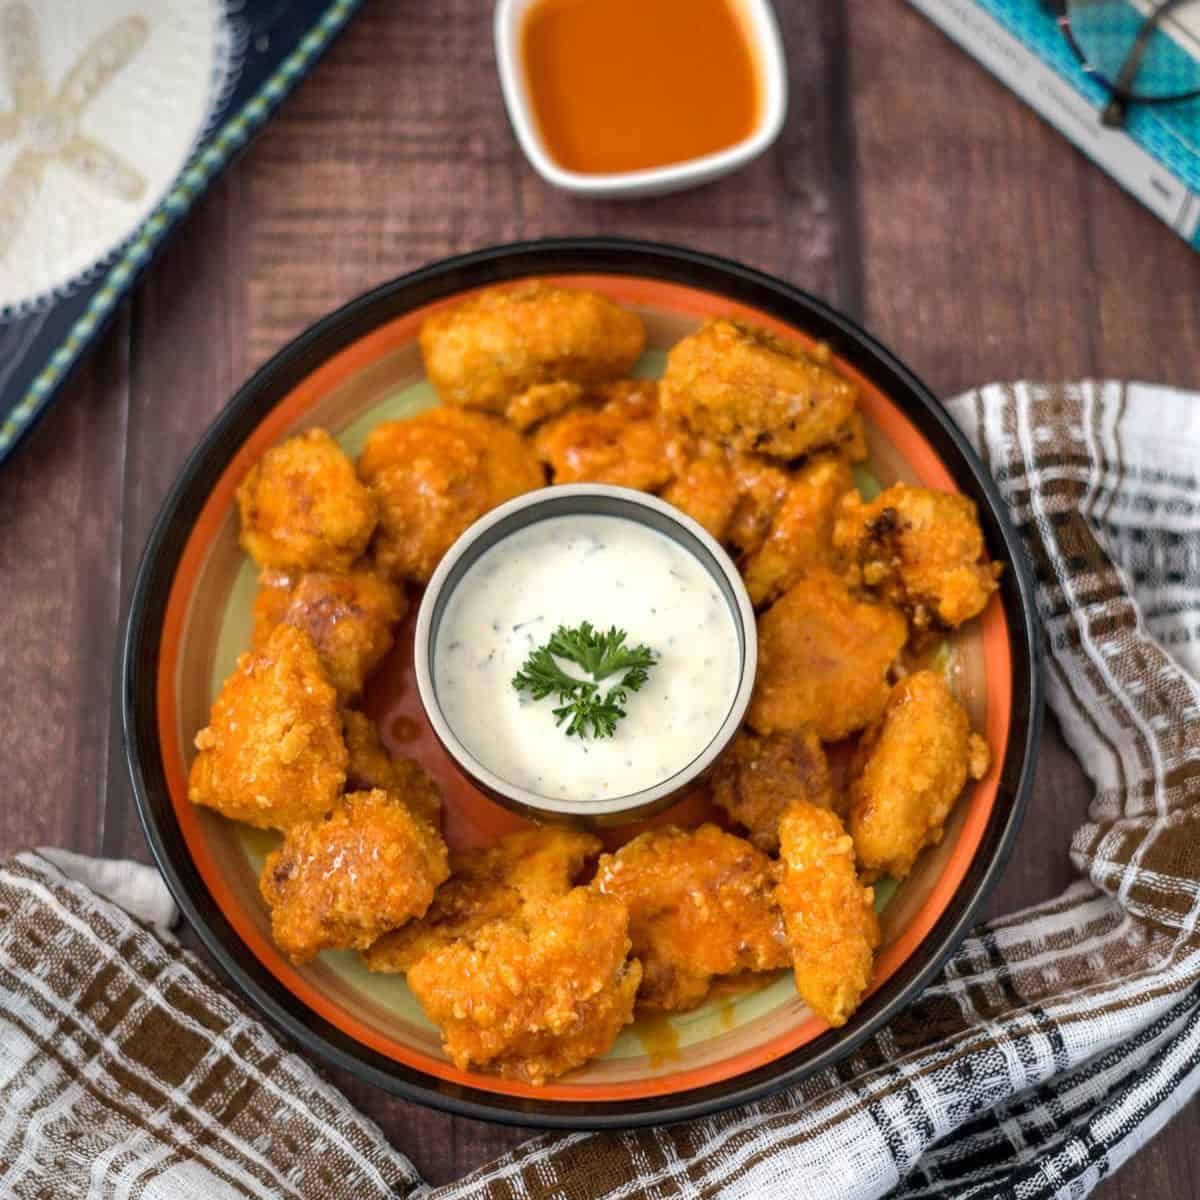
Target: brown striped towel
(1055, 1042)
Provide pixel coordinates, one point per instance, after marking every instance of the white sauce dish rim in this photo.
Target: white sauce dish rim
(570, 500)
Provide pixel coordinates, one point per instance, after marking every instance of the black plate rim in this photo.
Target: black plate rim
(557, 256)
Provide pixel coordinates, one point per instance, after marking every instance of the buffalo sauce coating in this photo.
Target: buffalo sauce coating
(628, 85)
(701, 904)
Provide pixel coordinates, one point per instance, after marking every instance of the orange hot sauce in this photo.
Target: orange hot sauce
(625, 85)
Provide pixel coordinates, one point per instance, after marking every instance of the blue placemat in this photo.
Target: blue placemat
(115, 116)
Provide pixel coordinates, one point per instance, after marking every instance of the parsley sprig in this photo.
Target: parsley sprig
(582, 705)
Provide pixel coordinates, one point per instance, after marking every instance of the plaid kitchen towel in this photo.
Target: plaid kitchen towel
(127, 1069)
(1055, 1042)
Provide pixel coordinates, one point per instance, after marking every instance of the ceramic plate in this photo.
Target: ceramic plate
(190, 618)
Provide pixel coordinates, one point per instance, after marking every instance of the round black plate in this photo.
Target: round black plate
(297, 360)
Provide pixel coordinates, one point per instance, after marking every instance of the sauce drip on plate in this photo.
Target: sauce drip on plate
(627, 85)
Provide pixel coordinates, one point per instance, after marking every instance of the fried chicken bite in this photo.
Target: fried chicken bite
(534, 995)
(371, 766)
(349, 615)
(979, 756)
(489, 884)
(701, 904)
(829, 916)
(823, 660)
(748, 389)
(302, 507)
(619, 440)
(272, 752)
(734, 496)
(909, 769)
(851, 443)
(706, 490)
(761, 488)
(341, 880)
(919, 549)
(434, 474)
(801, 535)
(543, 400)
(503, 341)
(269, 604)
(758, 777)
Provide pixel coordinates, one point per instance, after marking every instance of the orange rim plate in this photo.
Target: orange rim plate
(352, 341)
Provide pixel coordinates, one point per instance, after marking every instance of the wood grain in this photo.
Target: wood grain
(991, 247)
(60, 529)
(908, 188)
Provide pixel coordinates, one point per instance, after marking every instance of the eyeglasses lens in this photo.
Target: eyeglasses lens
(1156, 61)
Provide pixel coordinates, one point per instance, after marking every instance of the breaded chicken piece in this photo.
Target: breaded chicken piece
(734, 496)
(272, 753)
(758, 777)
(801, 535)
(270, 603)
(432, 476)
(851, 443)
(830, 917)
(371, 766)
(349, 615)
(618, 441)
(909, 769)
(823, 659)
(486, 885)
(921, 550)
(540, 402)
(762, 488)
(701, 904)
(979, 756)
(706, 490)
(340, 881)
(535, 995)
(303, 508)
(748, 389)
(499, 343)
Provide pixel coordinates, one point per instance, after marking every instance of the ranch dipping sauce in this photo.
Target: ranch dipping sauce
(610, 571)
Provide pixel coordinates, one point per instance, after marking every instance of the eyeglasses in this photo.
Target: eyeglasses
(1140, 51)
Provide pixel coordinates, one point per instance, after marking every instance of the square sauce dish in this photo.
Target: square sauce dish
(617, 98)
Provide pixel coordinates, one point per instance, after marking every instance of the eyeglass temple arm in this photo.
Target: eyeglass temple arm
(1133, 63)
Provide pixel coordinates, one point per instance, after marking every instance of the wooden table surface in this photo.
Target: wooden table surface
(908, 188)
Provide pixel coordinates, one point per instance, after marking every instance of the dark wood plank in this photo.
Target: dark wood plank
(195, 322)
(60, 525)
(993, 249)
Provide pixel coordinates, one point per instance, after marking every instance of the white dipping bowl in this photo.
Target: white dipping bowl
(573, 500)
